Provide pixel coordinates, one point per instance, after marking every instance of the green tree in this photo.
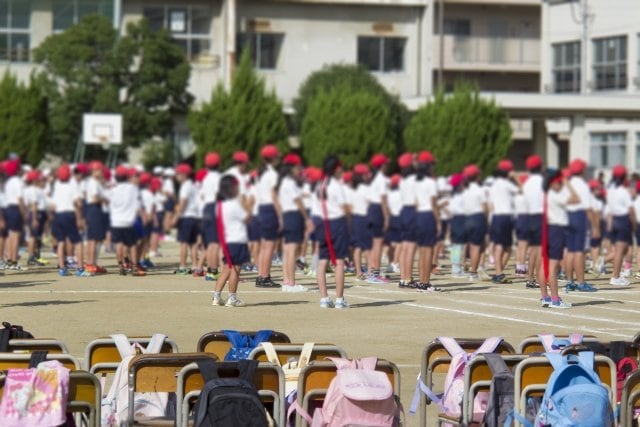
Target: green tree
(157, 153)
(23, 120)
(355, 78)
(459, 129)
(243, 118)
(352, 124)
(88, 68)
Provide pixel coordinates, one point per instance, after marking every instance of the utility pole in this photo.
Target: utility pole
(231, 42)
(584, 45)
(441, 43)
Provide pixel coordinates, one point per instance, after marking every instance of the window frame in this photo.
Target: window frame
(12, 33)
(606, 144)
(381, 54)
(565, 67)
(253, 39)
(618, 65)
(76, 15)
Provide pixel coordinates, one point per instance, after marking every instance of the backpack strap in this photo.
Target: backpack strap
(367, 363)
(575, 338)
(260, 337)
(587, 360)
(496, 364)
(342, 363)
(488, 346)
(4, 337)
(236, 339)
(451, 345)
(123, 345)
(556, 360)
(305, 354)
(247, 369)
(37, 357)
(547, 342)
(422, 387)
(155, 344)
(271, 354)
(208, 369)
(294, 407)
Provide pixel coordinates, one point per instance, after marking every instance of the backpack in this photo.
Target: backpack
(358, 395)
(242, 345)
(291, 369)
(625, 367)
(501, 399)
(552, 344)
(450, 402)
(229, 401)
(115, 406)
(8, 332)
(574, 395)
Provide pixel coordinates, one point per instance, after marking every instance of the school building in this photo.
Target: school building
(412, 46)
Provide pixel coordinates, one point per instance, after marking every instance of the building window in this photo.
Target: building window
(566, 67)
(608, 149)
(67, 13)
(610, 63)
(265, 48)
(189, 26)
(457, 27)
(15, 24)
(382, 54)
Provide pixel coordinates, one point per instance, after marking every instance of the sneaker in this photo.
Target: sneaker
(146, 263)
(246, 267)
(544, 302)
(276, 261)
(571, 286)
(81, 272)
(500, 279)
(473, 277)
(210, 276)
(182, 271)
(31, 261)
(91, 268)
(16, 267)
(362, 278)
(326, 303)
(483, 273)
(138, 272)
(122, 271)
(198, 272)
(531, 284)
(266, 282)
(234, 302)
(3, 265)
(311, 273)
(215, 301)
(427, 287)
(63, 272)
(375, 280)
(294, 288)
(637, 275)
(521, 272)
(340, 304)
(559, 304)
(619, 281)
(562, 277)
(626, 273)
(301, 265)
(100, 270)
(585, 287)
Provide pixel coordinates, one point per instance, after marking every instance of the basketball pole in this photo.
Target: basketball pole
(78, 155)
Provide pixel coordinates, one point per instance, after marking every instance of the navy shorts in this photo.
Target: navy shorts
(621, 229)
(64, 227)
(36, 232)
(125, 235)
(339, 238)
(188, 230)
(209, 224)
(408, 218)
(169, 204)
(426, 229)
(13, 218)
(4, 232)
(394, 232)
(475, 229)
(96, 227)
(502, 230)
(361, 233)
(253, 229)
(238, 252)
(139, 228)
(293, 227)
(577, 236)
(376, 219)
(556, 241)
(535, 230)
(444, 227)
(457, 230)
(316, 235)
(268, 222)
(522, 227)
(158, 228)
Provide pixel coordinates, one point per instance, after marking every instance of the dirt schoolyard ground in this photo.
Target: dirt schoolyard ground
(384, 321)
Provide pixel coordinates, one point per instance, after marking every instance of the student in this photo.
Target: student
(595, 241)
(157, 222)
(169, 193)
(68, 220)
(314, 176)
(125, 206)
(621, 212)
(36, 204)
(533, 191)
(294, 218)
(253, 227)
(232, 218)
(559, 194)
(208, 194)
(521, 227)
(458, 239)
(361, 232)
(378, 213)
(408, 215)
(393, 236)
(147, 201)
(476, 212)
(333, 232)
(427, 219)
(15, 211)
(96, 227)
(186, 218)
(444, 195)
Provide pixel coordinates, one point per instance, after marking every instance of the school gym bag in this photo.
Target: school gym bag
(9, 332)
(242, 345)
(501, 399)
(229, 402)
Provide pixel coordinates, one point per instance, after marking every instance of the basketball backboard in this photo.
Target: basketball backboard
(104, 129)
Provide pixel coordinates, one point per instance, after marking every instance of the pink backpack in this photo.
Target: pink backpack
(358, 395)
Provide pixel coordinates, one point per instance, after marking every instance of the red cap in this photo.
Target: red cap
(426, 157)
(456, 179)
(347, 176)
(638, 186)
(523, 178)
(566, 172)
(156, 184)
(200, 174)
(291, 159)
(361, 169)
(11, 167)
(471, 171)
(106, 173)
(63, 173)
(269, 151)
(122, 171)
(184, 169)
(405, 160)
(145, 178)
(395, 179)
(32, 176)
(577, 166)
(505, 165)
(131, 172)
(81, 168)
(618, 171)
(313, 174)
(241, 157)
(95, 165)
(594, 183)
(534, 161)
(212, 159)
(379, 160)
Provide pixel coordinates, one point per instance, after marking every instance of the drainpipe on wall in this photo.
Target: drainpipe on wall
(117, 14)
(230, 43)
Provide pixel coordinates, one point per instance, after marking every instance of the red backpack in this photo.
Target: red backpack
(625, 367)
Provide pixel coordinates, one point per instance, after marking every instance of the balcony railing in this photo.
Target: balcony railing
(489, 51)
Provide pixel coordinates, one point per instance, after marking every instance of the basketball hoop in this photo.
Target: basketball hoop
(104, 141)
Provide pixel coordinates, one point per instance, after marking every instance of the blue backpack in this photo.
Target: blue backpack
(242, 345)
(574, 396)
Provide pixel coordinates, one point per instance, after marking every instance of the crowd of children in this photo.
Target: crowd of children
(232, 220)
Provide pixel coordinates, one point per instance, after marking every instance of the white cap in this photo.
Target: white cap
(46, 172)
(26, 168)
(489, 181)
(169, 172)
(157, 170)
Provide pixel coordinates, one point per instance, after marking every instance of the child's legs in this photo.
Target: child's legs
(339, 275)
(265, 256)
(184, 248)
(289, 263)
(321, 276)
(223, 277)
(234, 279)
(554, 265)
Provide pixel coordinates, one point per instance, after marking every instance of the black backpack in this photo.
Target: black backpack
(9, 332)
(229, 401)
(501, 400)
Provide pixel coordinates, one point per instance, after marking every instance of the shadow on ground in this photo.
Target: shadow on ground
(44, 303)
(24, 284)
(380, 303)
(594, 302)
(275, 303)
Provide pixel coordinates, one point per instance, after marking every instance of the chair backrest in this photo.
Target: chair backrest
(102, 356)
(630, 398)
(268, 379)
(21, 360)
(216, 342)
(37, 344)
(287, 351)
(532, 374)
(315, 378)
(532, 344)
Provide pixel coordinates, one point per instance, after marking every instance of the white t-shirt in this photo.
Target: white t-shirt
(64, 196)
(636, 208)
(147, 199)
(557, 207)
(13, 191)
(209, 187)
(456, 204)
(408, 191)
(474, 199)
(288, 193)
(124, 203)
(158, 200)
(619, 201)
(316, 209)
(378, 188)
(336, 199)
(520, 204)
(596, 204)
(266, 184)
(426, 191)
(168, 187)
(3, 203)
(34, 194)
(94, 189)
(501, 195)
(306, 195)
(189, 194)
(394, 198)
(534, 194)
(234, 218)
(581, 188)
(359, 200)
(443, 207)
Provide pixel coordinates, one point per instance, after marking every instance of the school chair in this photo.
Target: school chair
(532, 374)
(21, 360)
(436, 360)
(157, 373)
(630, 398)
(532, 344)
(101, 356)
(37, 344)
(216, 342)
(268, 380)
(286, 352)
(315, 378)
